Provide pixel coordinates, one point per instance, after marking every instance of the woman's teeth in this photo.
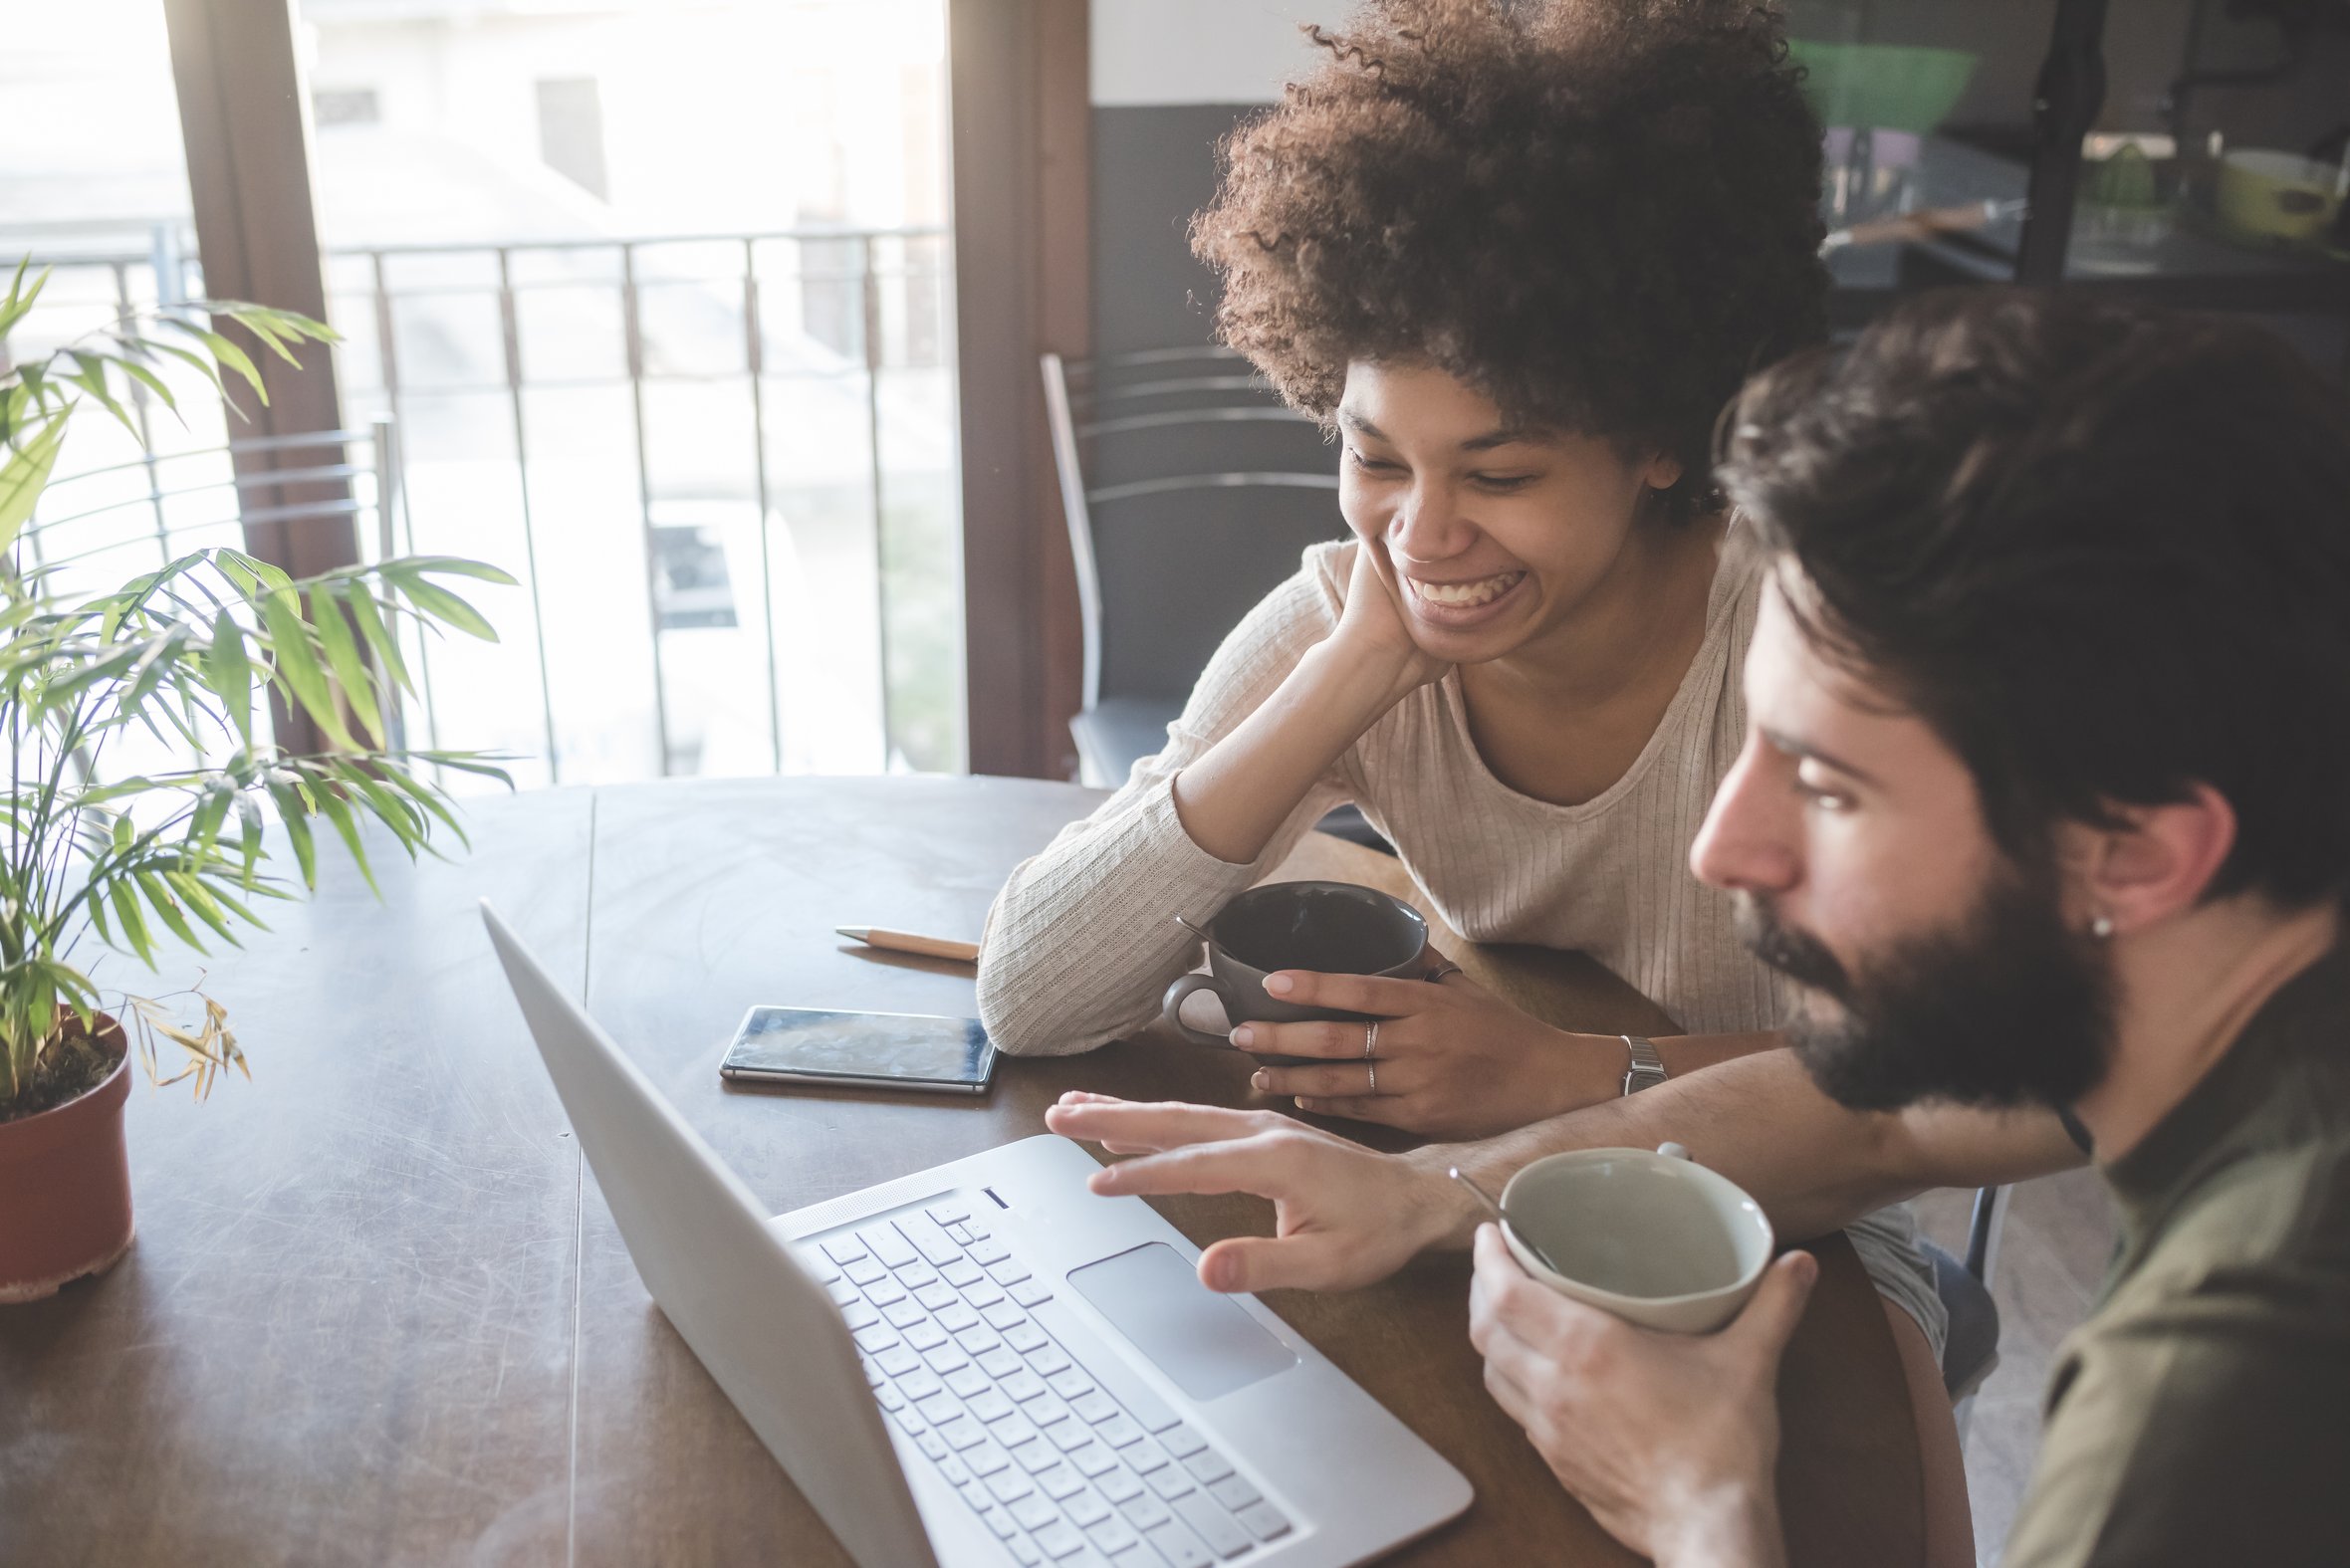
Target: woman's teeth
(1466, 596)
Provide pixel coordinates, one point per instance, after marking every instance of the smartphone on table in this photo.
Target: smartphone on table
(899, 1050)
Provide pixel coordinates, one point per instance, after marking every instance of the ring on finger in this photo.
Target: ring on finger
(1374, 1071)
(1370, 1038)
(1437, 974)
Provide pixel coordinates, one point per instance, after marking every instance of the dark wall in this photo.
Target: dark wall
(1154, 165)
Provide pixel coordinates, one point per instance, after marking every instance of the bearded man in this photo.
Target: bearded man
(2046, 802)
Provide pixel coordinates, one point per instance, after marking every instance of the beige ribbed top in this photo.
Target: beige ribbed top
(1082, 940)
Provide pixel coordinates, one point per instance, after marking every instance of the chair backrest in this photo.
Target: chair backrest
(1190, 490)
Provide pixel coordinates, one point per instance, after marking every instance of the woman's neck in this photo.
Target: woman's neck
(1639, 626)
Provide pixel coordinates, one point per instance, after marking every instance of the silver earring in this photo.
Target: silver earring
(2101, 927)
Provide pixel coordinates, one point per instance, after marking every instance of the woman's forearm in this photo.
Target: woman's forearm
(1234, 798)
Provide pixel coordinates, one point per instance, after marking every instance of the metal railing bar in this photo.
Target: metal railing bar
(1154, 487)
(241, 483)
(510, 328)
(874, 346)
(1195, 416)
(582, 384)
(146, 428)
(754, 361)
(297, 512)
(1154, 357)
(387, 354)
(627, 243)
(632, 329)
(256, 444)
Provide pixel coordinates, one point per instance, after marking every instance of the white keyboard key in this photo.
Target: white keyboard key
(1009, 1485)
(885, 1243)
(962, 1273)
(1207, 1466)
(935, 1297)
(1025, 1552)
(1179, 1546)
(953, 1212)
(903, 1314)
(939, 1407)
(956, 1472)
(957, 1317)
(1093, 1459)
(1182, 1442)
(1068, 1435)
(1002, 1315)
(963, 1433)
(1170, 1482)
(1015, 1430)
(1058, 1539)
(1060, 1481)
(1025, 1338)
(897, 1361)
(1035, 1455)
(1110, 1533)
(989, 1403)
(932, 1443)
(915, 1275)
(859, 1313)
(1087, 1509)
(1121, 1484)
(987, 1458)
(879, 1336)
(918, 1383)
(1136, 1556)
(967, 1381)
(936, 1247)
(1215, 1527)
(1007, 1272)
(1235, 1493)
(1144, 1511)
(988, 1251)
(1119, 1432)
(1033, 1511)
(1093, 1405)
(983, 1294)
(1023, 1385)
(864, 1270)
(1031, 1291)
(978, 1339)
(842, 1292)
(926, 1337)
(1047, 1358)
(1000, 1522)
(946, 1358)
(883, 1291)
(1004, 1365)
(843, 1250)
(960, 1232)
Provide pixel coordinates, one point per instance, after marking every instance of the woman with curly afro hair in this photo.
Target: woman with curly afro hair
(1516, 257)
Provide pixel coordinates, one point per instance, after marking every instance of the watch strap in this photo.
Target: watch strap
(1647, 1070)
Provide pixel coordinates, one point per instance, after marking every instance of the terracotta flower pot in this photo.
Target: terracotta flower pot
(65, 1187)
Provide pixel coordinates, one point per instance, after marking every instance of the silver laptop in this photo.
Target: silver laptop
(985, 1363)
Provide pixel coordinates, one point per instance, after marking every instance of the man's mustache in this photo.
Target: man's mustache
(1799, 955)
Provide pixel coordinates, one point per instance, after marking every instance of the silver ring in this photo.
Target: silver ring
(1436, 976)
(1370, 1038)
(1375, 1067)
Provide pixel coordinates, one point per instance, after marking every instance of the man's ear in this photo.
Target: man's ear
(1663, 472)
(2156, 863)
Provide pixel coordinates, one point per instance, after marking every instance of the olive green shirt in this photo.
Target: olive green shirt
(2202, 1414)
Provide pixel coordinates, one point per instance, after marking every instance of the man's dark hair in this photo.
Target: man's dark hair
(1601, 213)
(2103, 552)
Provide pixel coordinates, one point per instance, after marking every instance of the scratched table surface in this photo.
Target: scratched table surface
(378, 1313)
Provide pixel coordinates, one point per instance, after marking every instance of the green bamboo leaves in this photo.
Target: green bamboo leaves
(194, 654)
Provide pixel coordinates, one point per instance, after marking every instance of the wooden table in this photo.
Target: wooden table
(378, 1314)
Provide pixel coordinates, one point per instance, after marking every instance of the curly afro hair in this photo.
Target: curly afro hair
(1601, 213)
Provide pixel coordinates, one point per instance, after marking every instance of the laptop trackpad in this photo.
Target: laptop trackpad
(1205, 1343)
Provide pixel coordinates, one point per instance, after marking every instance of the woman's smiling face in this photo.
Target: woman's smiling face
(1495, 534)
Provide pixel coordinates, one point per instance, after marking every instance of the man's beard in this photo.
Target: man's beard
(2005, 1007)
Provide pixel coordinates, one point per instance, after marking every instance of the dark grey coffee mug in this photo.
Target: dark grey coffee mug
(1331, 928)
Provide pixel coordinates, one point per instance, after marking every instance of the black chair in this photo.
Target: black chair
(1971, 1352)
(1190, 490)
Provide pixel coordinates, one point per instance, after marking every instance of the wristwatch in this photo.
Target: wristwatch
(1647, 1070)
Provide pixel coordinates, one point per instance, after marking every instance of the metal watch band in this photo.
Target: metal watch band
(1647, 1070)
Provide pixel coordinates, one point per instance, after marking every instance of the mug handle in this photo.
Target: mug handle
(1674, 1150)
(1171, 1008)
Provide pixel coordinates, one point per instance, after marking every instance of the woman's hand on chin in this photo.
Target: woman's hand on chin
(1450, 1060)
(1375, 629)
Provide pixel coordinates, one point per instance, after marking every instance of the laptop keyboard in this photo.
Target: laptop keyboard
(1058, 1447)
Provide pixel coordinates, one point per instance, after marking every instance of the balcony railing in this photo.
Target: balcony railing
(720, 465)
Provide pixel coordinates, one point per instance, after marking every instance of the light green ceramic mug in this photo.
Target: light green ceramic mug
(1654, 1238)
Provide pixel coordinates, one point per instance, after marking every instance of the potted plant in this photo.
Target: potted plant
(184, 652)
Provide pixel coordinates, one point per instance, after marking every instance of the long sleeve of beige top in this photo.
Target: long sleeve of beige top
(1083, 939)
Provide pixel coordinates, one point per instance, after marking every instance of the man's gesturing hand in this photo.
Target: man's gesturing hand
(1669, 1440)
(1342, 1215)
